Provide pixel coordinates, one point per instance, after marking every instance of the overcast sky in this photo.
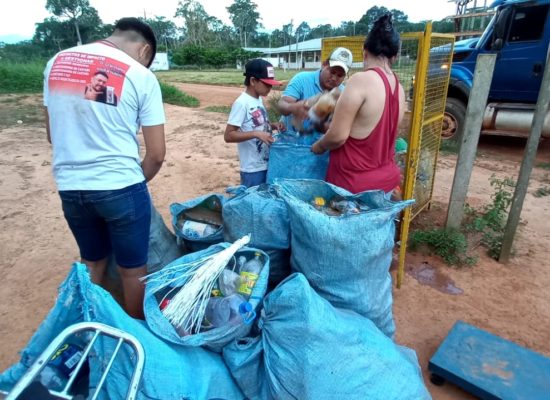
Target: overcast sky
(19, 16)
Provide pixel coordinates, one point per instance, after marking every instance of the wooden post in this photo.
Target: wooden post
(527, 164)
(483, 75)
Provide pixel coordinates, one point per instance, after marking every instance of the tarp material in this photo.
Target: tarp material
(260, 212)
(291, 158)
(170, 372)
(216, 338)
(346, 258)
(209, 202)
(310, 350)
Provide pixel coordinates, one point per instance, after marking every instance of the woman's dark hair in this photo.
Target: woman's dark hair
(383, 39)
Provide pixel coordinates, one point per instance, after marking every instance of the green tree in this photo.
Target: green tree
(366, 22)
(71, 9)
(197, 22)
(164, 29)
(321, 31)
(245, 19)
(302, 31)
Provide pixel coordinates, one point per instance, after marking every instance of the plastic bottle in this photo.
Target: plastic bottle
(343, 205)
(223, 311)
(197, 230)
(249, 275)
(228, 282)
(57, 372)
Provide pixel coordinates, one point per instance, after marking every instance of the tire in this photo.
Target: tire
(453, 120)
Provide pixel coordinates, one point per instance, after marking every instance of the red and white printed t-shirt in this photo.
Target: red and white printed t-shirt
(97, 98)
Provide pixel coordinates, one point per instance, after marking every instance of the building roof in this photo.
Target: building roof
(308, 45)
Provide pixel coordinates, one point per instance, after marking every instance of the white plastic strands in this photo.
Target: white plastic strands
(194, 281)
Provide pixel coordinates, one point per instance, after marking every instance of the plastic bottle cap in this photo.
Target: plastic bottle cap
(245, 307)
(319, 201)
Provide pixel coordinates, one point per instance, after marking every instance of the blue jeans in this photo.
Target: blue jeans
(105, 221)
(250, 179)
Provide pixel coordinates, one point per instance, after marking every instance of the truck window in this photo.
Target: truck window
(527, 24)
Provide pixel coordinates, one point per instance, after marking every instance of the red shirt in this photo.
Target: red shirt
(369, 164)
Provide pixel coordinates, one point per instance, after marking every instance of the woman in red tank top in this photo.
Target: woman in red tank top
(362, 135)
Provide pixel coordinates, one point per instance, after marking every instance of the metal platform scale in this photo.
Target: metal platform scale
(489, 366)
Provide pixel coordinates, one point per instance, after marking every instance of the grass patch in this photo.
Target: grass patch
(232, 77)
(542, 191)
(219, 109)
(450, 244)
(483, 227)
(448, 147)
(172, 95)
(25, 108)
(21, 78)
(544, 165)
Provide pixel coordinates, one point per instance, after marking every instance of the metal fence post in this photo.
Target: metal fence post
(477, 102)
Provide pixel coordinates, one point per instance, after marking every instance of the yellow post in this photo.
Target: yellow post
(414, 143)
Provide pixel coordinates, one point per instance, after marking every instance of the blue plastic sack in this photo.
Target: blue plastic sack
(216, 338)
(346, 258)
(291, 158)
(260, 212)
(309, 349)
(170, 372)
(213, 202)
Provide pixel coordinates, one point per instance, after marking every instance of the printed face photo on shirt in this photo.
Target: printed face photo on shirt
(94, 77)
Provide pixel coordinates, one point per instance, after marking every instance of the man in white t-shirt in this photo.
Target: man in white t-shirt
(97, 96)
(248, 123)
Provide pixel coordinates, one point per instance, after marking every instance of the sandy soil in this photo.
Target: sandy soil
(37, 248)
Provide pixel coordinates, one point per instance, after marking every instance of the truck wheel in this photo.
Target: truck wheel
(453, 120)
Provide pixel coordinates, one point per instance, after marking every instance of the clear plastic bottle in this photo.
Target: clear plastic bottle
(223, 311)
(228, 282)
(197, 230)
(249, 274)
(57, 372)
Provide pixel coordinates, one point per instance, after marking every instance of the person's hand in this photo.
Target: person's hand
(300, 109)
(90, 93)
(317, 148)
(265, 137)
(278, 126)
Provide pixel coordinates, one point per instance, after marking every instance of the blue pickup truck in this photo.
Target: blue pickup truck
(518, 34)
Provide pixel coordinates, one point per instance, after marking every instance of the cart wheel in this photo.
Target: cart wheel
(437, 380)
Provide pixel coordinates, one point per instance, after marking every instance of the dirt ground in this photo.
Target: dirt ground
(37, 248)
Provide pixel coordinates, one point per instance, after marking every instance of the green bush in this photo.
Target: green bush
(21, 77)
(172, 95)
(449, 244)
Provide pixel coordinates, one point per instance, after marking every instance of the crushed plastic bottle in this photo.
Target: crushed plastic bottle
(344, 206)
(223, 311)
(228, 282)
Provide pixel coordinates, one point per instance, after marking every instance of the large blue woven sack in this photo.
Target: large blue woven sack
(291, 158)
(260, 212)
(309, 349)
(216, 338)
(345, 258)
(170, 372)
(194, 243)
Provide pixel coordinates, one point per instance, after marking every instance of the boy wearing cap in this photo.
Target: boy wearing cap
(310, 83)
(248, 123)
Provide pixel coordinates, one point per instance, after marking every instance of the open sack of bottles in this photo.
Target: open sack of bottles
(207, 298)
(198, 222)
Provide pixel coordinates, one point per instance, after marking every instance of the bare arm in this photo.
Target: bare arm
(155, 150)
(345, 112)
(47, 115)
(233, 134)
(289, 105)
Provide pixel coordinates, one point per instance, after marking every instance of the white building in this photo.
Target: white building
(301, 55)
